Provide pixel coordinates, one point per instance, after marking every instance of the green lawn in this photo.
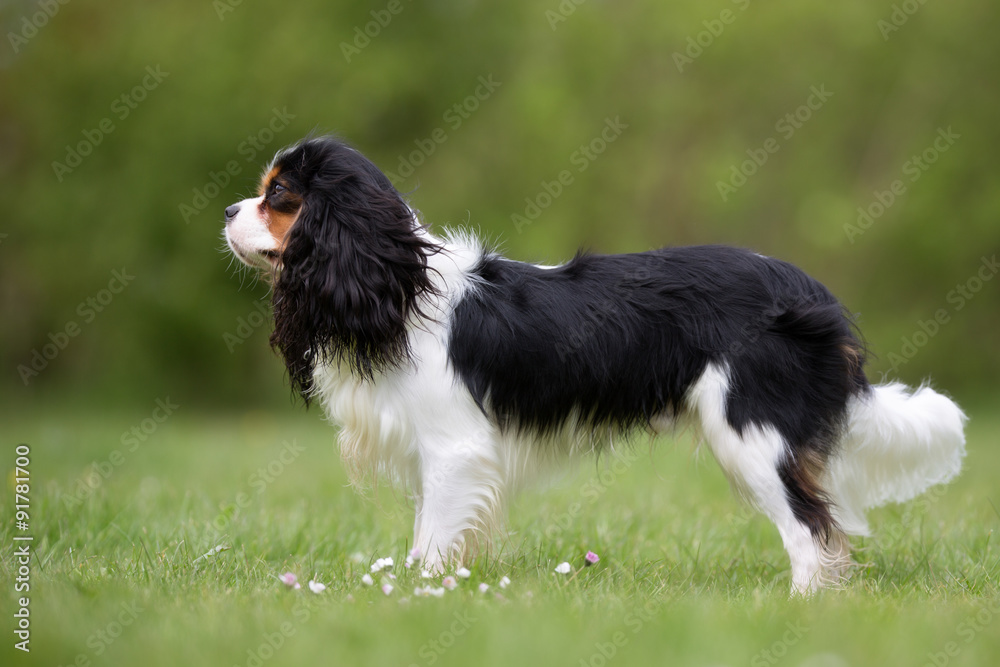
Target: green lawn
(686, 577)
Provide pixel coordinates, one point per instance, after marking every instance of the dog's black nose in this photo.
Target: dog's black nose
(231, 212)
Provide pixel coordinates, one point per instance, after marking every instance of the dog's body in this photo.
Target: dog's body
(457, 372)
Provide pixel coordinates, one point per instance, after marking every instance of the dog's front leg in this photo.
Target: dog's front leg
(461, 491)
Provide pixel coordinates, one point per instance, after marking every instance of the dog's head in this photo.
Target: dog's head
(347, 255)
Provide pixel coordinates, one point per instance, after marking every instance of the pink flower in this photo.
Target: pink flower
(289, 580)
(591, 558)
(450, 583)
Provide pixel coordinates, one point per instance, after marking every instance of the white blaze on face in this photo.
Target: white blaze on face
(248, 234)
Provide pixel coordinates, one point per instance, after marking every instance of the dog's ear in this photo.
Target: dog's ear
(353, 267)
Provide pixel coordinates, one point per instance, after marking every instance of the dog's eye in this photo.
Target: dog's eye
(278, 188)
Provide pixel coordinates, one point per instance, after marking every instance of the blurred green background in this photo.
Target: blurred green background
(126, 128)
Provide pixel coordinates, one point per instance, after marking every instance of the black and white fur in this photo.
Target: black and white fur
(457, 372)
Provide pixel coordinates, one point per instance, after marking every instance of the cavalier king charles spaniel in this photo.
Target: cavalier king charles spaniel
(459, 374)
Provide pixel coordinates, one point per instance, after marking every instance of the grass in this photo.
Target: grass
(686, 576)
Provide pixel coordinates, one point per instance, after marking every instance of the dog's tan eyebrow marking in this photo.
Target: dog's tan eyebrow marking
(266, 179)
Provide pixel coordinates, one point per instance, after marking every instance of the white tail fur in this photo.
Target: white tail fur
(897, 445)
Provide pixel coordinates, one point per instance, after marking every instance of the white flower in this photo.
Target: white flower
(387, 561)
(424, 574)
(463, 573)
(483, 588)
(381, 564)
(367, 580)
(316, 587)
(450, 583)
(504, 582)
(387, 588)
(563, 568)
(428, 591)
(412, 558)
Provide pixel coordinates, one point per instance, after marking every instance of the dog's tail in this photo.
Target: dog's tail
(897, 444)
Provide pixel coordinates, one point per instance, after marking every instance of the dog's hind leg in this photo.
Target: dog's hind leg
(756, 464)
(763, 470)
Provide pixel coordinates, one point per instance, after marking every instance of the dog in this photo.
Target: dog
(457, 373)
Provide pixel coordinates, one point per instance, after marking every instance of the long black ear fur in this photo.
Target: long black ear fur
(353, 266)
